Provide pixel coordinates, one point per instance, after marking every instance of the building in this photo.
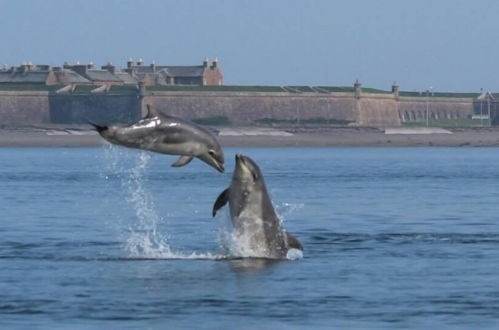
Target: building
(27, 73)
(103, 76)
(205, 74)
(108, 75)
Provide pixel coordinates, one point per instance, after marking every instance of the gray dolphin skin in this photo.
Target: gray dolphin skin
(252, 213)
(167, 135)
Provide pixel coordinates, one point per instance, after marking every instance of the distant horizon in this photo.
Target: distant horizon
(449, 45)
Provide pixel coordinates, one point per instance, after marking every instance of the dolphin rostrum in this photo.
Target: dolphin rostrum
(252, 214)
(167, 135)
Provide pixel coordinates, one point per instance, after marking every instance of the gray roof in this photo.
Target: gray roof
(171, 71)
(35, 77)
(101, 75)
(126, 78)
(183, 71)
(65, 76)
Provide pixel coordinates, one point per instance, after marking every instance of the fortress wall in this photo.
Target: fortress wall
(20, 107)
(414, 108)
(98, 108)
(378, 110)
(240, 108)
(246, 108)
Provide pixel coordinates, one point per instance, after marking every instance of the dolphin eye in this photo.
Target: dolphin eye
(211, 152)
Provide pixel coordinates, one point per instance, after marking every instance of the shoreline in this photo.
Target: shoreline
(82, 136)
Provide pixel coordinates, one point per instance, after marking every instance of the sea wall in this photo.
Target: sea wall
(378, 110)
(248, 108)
(79, 108)
(27, 107)
(237, 108)
(415, 108)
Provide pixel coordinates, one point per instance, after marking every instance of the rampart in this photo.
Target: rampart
(235, 107)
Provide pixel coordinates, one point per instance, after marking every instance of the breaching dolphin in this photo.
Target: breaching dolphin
(252, 214)
(167, 135)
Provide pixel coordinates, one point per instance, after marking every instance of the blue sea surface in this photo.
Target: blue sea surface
(114, 238)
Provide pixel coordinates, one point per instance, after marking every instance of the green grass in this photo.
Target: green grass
(124, 88)
(319, 121)
(375, 91)
(440, 94)
(235, 88)
(213, 121)
(337, 89)
(449, 123)
(84, 88)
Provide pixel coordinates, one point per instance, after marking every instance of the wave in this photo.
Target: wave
(458, 238)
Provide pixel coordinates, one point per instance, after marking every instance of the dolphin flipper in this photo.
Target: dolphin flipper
(222, 199)
(183, 160)
(293, 242)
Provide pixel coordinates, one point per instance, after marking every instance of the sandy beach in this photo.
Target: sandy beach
(83, 136)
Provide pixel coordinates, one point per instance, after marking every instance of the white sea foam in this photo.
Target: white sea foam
(242, 244)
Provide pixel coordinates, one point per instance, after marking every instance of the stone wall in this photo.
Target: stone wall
(24, 107)
(247, 108)
(98, 108)
(238, 108)
(378, 110)
(414, 108)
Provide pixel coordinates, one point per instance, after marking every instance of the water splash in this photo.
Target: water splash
(142, 237)
(284, 210)
(242, 245)
(145, 239)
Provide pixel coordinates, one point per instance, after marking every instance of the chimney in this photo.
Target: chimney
(205, 62)
(129, 63)
(81, 69)
(90, 65)
(215, 63)
(109, 67)
(140, 62)
(153, 67)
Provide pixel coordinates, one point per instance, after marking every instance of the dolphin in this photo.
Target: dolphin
(252, 214)
(167, 135)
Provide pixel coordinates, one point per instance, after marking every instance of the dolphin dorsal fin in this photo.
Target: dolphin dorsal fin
(222, 199)
(152, 112)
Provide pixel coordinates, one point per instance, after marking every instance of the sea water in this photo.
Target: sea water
(115, 238)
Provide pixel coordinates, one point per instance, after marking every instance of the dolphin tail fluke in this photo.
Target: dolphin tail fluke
(293, 242)
(222, 199)
(183, 160)
(97, 127)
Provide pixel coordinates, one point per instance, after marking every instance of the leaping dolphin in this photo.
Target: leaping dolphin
(252, 213)
(167, 135)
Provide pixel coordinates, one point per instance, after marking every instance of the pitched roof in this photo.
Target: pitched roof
(65, 76)
(101, 75)
(170, 71)
(183, 71)
(126, 78)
